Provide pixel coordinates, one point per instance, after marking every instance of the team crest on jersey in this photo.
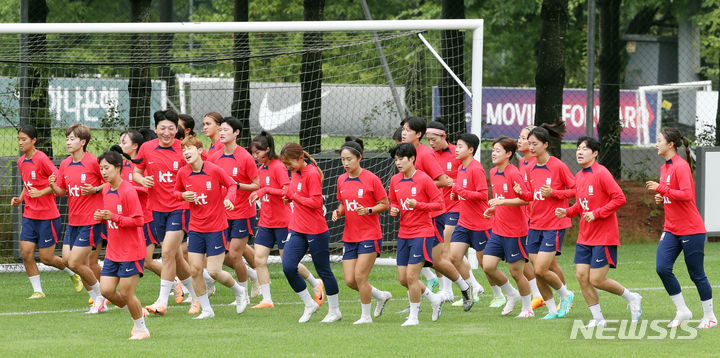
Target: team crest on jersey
(82, 177)
(267, 180)
(413, 191)
(130, 177)
(175, 165)
(525, 176)
(360, 193)
(465, 183)
(505, 187)
(119, 209)
(667, 180)
(32, 174)
(299, 187)
(449, 166)
(590, 190)
(548, 181)
(235, 171)
(208, 185)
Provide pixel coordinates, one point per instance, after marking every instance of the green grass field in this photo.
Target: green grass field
(57, 325)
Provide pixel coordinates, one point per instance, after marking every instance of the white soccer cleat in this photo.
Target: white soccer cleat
(680, 316)
(526, 314)
(98, 307)
(255, 290)
(510, 305)
(241, 302)
(635, 307)
(308, 312)
(448, 296)
(410, 322)
(596, 323)
(364, 320)
(708, 322)
(380, 305)
(205, 315)
(332, 316)
(437, 310)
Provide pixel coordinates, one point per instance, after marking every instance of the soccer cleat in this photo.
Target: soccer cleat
(680, 316)
(596, 323)
(36, 295)
(205, 315)
(510, 305)
(566, 305)
(77, 283)
(264, 304)
(255, 290)
(468, 301)
(308, 312)
(363, 320)
(241, 302)
(526, 314)
(195, 308)
(407, 311)
(433, 284)
(332, 317)
(708, 322)
(188, 299)
(551, 316)
(447, 295)
(498, 301)
(145, 313)
(380, 305)
(537, 302)
(436, 310)
(210, 290)
(179, 294)
(319, 293)
(136, 336)
(98, 307)
(477, 292)
(635, 308)
(457, 303)
(410, 322)
(156, 309)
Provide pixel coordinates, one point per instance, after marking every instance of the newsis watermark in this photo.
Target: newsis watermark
(628, 330)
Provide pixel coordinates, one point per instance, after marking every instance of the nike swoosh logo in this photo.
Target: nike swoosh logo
(513, 255)
(684, 241)
(599, 260)
(284, 241)
(416, 255)
(175, 223)
(270, 119)
(242, 230)
(128, 270)
(48, 240)
(547, 244)
(367, 246)
(217, 247)
(309, 241)
(480, 243)
(82, 239)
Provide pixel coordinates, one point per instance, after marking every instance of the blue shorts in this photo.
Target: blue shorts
(596, 256)
(451, 218)
(44, 233)
(84, 236)
(176, 220)
(414, 250)
(351, 250)
(209, 243)
(268, 237)
(241, 228)
(150, 232)
(122, 269)
(439, 223)
(545, 241)
(476, 239)
(510, 249)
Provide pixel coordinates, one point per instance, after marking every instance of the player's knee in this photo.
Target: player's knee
(663, 270)
(350, 282)
(107, 291)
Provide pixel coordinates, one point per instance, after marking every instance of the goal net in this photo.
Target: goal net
(313, 83)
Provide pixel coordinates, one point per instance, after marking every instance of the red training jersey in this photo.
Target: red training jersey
(426, 161)
(524, 166)
(596, 190)
(126, 241)
(678, 191)
(365, 190)
(241, 167)
(34, 173)
(509, 221)
(274, 213)
(305, 191)
(217, 147)
(162, 163)
(472, 191)
(74, 175)
(450, 165)
(142, 192)
(557, 175)
(415, 222)
(207, 212)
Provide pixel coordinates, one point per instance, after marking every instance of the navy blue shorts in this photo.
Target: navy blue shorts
(209, 243)
(176, 220)
(545, 241)
(476, 239)
(122, 269)
(510, 249)
(451, 218)
(351, 250)
(150, 234)
(84, 236)
(44, 233)
(596, 256)
(241, 228)
(268, 237)
(414, 250)
(439, 223)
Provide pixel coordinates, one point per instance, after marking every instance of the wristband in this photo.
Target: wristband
(97, 189)
(369, 211)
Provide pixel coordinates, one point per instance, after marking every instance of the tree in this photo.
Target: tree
(452, 96)
(241, 84)
(709, 22)
(609, 127)
(550, 75)
(311, 77)
(139, 87)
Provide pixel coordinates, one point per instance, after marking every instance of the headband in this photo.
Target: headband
(436, 131)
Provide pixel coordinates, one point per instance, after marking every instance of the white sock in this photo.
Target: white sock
(414, 310)
(208, 279)
(472, 280)
(35, 282)
(69, 271)
(627, 295)
(189, 285)
(333, 302)
(446, 284)
(551, 306)
(563, 291)
(497, 291)
(265, 292)
(462, 285)
(244, 284)
(509, 289)
(312, 280)
(96, 290)
(428, 274)
(365, 307)
(432, 297)
(165, 287)
(205, 303)
(526, 302)
(140, 324)
(252, 274)
(679, 301)
(238, 290)
(596, 312)
(534, 288)
(306, 298)
(185, 289)
(377, 294)
(707, 306)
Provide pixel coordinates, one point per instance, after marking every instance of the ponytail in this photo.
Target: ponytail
(117, 148)
(547, 131)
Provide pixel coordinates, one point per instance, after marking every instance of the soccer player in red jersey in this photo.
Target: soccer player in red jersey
(308, 229)
(211, 124)
(598, 197)
(361, 198)
(274, 217)
(161, 159)
(187, 122)
(41, 218)
(240, 165)
(684, 228)
(210, 191)
(130, 142)
(552, 184)
(125, 251)
(79, 177)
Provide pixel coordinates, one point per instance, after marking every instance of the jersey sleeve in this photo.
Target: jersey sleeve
(392, 196)
(314, 200)
(683, 176)
(617, 197)
(432, 168)
(250, 168)
(280, 175)
(378, 189)
(142, 153)
(480, 190)
(179, 185)
(517, 178)
(132, 204)
(436, 202)
(337, 190)
(48, 167)
(228, 182)
(60, 177)
(568, 180)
